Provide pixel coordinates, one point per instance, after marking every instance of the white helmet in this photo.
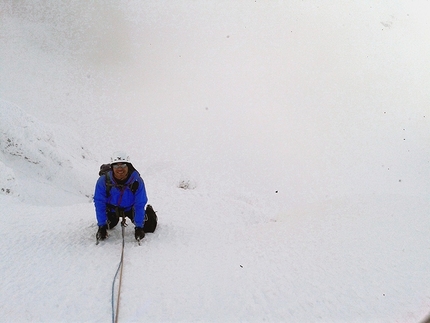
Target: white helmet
(120, 157)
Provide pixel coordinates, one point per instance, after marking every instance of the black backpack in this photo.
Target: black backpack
(151, 218)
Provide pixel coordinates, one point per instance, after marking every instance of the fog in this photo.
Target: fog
(312, 100)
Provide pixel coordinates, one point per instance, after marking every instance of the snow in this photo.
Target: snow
(284, 146)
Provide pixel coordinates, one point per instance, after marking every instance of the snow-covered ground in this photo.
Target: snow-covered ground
(285, 147)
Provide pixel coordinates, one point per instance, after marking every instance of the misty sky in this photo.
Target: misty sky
(309, 97)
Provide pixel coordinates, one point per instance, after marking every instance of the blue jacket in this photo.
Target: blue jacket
(122, 197)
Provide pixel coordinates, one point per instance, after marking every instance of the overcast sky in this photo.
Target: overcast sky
(314, 97)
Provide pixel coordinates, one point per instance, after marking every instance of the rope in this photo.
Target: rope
(120, 267)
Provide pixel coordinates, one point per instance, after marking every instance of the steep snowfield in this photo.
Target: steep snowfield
(341, 261)
(284, 146)
(40, 156)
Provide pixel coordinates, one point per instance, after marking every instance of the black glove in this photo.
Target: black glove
(139, 234)
(102, 232)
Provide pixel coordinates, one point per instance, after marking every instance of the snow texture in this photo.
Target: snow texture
(284, 146)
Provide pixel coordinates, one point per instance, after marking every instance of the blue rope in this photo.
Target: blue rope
(113, 292)
(115, 317)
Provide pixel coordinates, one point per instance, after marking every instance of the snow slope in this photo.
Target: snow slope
(338, 262)
(285, 147)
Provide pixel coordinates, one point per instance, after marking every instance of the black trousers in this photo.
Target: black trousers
(114, 216)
